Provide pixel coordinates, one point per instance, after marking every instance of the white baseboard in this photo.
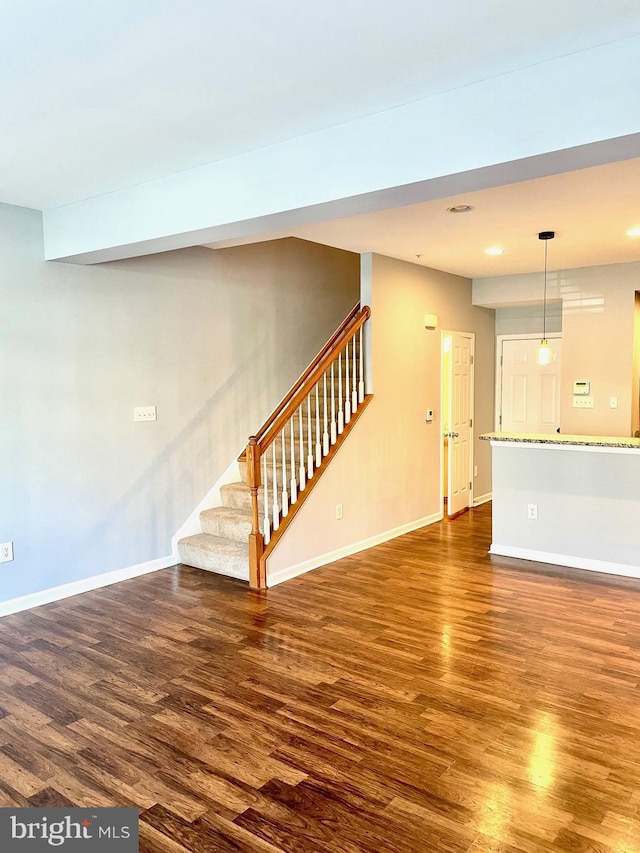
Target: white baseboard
(56, 593)
(566, 560)
(483, 499)
(331, 556)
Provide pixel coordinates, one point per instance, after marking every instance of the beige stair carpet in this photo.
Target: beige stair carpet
(223, 545)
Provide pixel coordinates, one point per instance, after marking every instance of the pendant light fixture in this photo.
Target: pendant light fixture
(543, 351)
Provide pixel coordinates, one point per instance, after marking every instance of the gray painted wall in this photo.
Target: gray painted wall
(213, 339)
(527, 319)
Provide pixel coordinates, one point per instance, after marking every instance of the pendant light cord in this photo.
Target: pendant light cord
(544, 303)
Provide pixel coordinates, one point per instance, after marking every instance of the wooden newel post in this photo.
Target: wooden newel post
(256, 542)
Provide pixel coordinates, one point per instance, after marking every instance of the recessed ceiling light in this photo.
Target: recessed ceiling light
(461, 208)
(494, 250)
(633, 232)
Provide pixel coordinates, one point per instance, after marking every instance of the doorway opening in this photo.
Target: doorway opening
(635, 400)
(457, 406)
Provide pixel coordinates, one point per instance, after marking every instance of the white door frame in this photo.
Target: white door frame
(498, 381)
(443, 334)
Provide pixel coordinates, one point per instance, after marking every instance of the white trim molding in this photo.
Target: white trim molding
(330, 557)
(483, 499)
(56, 593)
(566, 560)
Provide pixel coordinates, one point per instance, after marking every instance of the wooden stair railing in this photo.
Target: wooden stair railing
(288, 453)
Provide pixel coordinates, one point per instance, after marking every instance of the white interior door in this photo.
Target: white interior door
(530, 396)
(460, 423)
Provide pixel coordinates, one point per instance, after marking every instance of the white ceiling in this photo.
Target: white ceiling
(590, 210)
(97, 96)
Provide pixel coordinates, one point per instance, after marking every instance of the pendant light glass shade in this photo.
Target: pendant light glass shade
(543, 350)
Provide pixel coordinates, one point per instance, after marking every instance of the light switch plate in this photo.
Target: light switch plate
(144, 413)
(583, 402)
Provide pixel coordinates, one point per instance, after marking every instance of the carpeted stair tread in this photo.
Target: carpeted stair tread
(279, 471)
(238, 496)
(215, 554)
(227, 522)
(244, 470)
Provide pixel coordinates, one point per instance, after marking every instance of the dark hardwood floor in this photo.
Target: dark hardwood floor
(419, 696)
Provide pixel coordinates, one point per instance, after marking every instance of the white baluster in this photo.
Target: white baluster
(333, 407)
(285, 493)
(318, 444)
(274, 486)
(325, 434)
(354, 386)
(347, 399)
(340, 401)
(302, 474)
(309, 440)
(265, 497)
(293, 486)
(361, 383)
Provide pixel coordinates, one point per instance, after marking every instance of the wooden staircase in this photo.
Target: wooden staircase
(284, 460)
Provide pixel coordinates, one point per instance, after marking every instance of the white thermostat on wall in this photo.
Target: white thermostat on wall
(581, 388)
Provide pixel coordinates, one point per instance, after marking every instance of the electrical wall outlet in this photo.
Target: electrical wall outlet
(532, 511)
(6, 552)
(338, 512)
(144, 413)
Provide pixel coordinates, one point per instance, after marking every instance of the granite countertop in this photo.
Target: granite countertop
(554, 438)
